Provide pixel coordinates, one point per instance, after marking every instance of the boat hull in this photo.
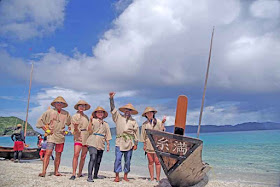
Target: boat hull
(180, 157)
(27, 153)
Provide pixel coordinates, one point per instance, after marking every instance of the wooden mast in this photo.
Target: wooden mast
(205, 84)
(30, 83)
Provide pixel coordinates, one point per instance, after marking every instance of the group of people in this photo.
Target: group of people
(92, 133)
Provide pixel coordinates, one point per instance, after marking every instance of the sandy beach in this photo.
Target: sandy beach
(26, 174)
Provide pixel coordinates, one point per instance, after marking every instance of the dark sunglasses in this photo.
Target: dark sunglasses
(59, 102)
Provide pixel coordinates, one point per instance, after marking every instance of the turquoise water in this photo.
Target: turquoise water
(251, 156)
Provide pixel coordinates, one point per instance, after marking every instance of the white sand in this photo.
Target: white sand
(26, 174)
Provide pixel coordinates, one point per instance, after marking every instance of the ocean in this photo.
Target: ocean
(251, 157)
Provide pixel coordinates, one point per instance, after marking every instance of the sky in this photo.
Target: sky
(148, 52)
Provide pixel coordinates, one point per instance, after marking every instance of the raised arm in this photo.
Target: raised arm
(114, 111)
(112, 104)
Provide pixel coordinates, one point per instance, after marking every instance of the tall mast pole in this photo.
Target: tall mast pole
(30, 83)
(205, 85)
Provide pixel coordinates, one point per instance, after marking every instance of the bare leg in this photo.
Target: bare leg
(117, 179)
(157, 167)
(125, 177)
(46, 162)
(56, 163)
(151, 164)
(77, 150)
(82, 160)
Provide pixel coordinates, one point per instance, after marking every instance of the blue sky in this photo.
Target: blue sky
(149, 52)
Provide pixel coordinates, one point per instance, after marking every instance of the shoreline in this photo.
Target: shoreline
(26, 174)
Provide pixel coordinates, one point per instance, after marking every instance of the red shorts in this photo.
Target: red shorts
(42, 153)
(18, 146)
(79, 144)
(58, 147)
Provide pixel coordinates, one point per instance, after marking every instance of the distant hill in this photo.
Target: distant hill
(8, 124)
(250, 126)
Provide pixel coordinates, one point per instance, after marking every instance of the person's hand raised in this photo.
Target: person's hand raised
(112, 94)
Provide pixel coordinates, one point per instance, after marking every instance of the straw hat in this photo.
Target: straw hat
(148, 109)
(59, 99)
(99, 108)
(19, 125)
(82, 102)
(130, 107)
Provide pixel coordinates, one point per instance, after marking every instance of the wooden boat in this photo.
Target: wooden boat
(27, 153)
(181, 156)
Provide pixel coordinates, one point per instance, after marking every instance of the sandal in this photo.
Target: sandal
(42, 175)
(90, 180)
(82, 175)
(73, 177)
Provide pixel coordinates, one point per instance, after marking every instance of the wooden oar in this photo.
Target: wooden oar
(181, 115)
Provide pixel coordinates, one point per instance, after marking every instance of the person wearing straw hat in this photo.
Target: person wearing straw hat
(155, 124)
(100, 133)
(19, 140)
(53, 122)
(127, 135)
(79, 125)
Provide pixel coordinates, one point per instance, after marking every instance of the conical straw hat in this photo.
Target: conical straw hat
(59, 99)
(19, 125)
(130, 107)
(99, 108)
(148, 109)
(82, 102)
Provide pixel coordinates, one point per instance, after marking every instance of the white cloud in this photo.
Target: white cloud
(151, 43)
(254, 62)
(164, 44)
(121, 5)
(266, 9)
(30, 18)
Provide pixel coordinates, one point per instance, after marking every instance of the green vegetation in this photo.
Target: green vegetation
(8, 124)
